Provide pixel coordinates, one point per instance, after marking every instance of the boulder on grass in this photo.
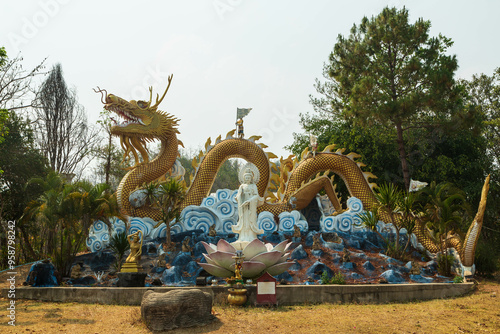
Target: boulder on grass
(176, 309)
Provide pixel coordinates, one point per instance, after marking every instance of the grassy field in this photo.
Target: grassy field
(478, 312)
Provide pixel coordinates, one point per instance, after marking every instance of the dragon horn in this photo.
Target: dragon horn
(150, 96)
(166, 90)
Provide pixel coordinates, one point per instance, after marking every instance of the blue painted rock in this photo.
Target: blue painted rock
(392, 276)
(299, 253)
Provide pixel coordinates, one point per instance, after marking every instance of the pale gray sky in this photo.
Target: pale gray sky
(224, 54)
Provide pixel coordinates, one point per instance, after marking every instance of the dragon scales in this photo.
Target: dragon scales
(296, 181)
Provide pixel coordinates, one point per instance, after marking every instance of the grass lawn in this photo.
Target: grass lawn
(478, 312)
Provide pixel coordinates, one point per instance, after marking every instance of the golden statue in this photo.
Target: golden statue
(132, 262)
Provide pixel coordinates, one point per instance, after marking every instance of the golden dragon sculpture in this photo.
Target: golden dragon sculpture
(292, 186)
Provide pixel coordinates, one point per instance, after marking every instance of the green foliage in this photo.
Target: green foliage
(486, 259)
(227, 176)
(483, 95)
(444, 210)
(375, 145)
(119, 245)
(64, 212)
(20, 161)
(444, 264)
(4, 114)
(399, 208)
(167, 196)
(338, 278)
(324, 278)
(458, 279)
(109, 169)
(3, 56)
(388, 74)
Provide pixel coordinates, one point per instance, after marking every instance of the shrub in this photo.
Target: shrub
(119, 245)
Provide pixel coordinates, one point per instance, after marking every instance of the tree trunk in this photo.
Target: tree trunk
(31, 253)
(402, 156)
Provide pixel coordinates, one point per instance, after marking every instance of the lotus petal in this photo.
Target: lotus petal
(225, 246)
(278, 268)
(269, 247)
(223, 259)
(268, 258)
(209, 259)
(283, 258)
(216, 270)
(210, 248)
(282, 246)
(251, 269)
(253, 248)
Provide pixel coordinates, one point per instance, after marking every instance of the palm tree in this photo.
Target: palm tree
(445, 208)
(65, 213)
(397, 208)
(167, 196)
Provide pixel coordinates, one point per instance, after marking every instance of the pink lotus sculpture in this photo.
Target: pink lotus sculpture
(259, 258)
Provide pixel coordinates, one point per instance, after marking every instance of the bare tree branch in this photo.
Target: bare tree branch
(63, 134)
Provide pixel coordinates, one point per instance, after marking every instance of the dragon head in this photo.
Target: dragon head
(143, 121)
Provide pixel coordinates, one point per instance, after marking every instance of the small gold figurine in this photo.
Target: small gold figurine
(316, 242)
(186, 248)
(211, 231)
(132, 262)
(296, 231)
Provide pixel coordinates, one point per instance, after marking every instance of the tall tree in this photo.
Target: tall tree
(20, 161)
(390, 73)
(483, 94)
(16, 83)
(64, 136)
(109, 169)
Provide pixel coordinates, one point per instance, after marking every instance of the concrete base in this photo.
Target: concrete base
(130, 279)
(286, 294)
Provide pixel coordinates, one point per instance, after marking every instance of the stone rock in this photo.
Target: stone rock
(299, 253)
(176, 309)
(42, 274)
(317, 252)
(149, 248)
(192, 267)
(421, 279)
(100, 261)
(359, 255)
(348, 265)
(172, 275)
(126, 280)
(431, 265)
(316, 270)
(284, 277)
(198, 250)
(182, 259)
(353, 243)
(295, 266)
(368, 266)
(138, 198)
(335, 246)
(158, 270)
(83, 281)
(393, 261)
(156, 282)
(355, 275)
(275, 237)
(336, 258)
(392, 276)
(309, 238)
